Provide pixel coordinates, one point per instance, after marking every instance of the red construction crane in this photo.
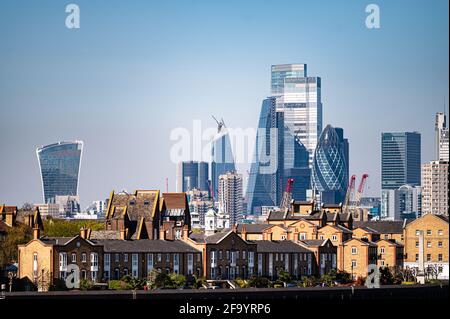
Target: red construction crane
(360, 190)
(287, 196)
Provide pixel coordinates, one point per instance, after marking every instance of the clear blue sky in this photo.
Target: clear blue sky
(137, 69)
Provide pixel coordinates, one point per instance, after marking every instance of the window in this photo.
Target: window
(134, 265)
(354, 264)
(83, 274)
(83, 258)
(35, 265)
(417, 244)
(283, 237)
(199, 257)
(429, 232)
(429, 244)
(159, 258)
(228, 254)
(321, 237)
(125, 271)
(354, 250)
(440, 244)
(302, 236)
(440, 257)
(167, 258)
(237, 254)
(125, 258)
(334, 238)
(440, 232)
(244, 254)
(220, 254)
(149, 263)
(386, 236)
(382, 251)
(382, 263)
(74, 257)
(428, 257)
(417, 232)
(117, 258)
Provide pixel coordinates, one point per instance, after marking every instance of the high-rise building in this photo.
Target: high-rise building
(59, 165)
(222, 159)
(442, 138)
(400, 159)
(192, 175)
(199, 203)
(402, 203)
(330, 168)
(230, 196)
(278, 156)
(435, 189)
(299, 96)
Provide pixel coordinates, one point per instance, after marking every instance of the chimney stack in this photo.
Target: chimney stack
(234, 228)
(123, 234)
(83, 232)
(185, 232)
(36, 232)
(162, 234)
(244, 232)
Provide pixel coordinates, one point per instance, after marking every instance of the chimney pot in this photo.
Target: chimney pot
(36, 232)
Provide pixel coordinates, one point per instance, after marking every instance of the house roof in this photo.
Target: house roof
(146, 245)
(253, 228)
(314, 242)
(276, 215)
(105, 234)
(175, 200)
(141, 203)
(367, 229)
(383, 226)
(365, 242)
(344, 217)
(282, 246)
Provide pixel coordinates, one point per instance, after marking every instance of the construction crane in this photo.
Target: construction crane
(358, 195)
(287, 196)
(350, 189)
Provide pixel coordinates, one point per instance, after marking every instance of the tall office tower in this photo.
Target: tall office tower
(402, 203)
(59, 165)
(222, 159)
(330, 168)
(400, 159)
(442, 138)
(278, 156)
(299, 96)
(230, 196)
(435, 188)
(192, 175)
(199, 203)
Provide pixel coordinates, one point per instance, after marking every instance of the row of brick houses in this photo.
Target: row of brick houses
(144, 231)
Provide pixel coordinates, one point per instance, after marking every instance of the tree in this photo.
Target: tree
(259, 282)
(386, 277)
(27, 207)
(177, 280)
(284, 276)
(17, 235)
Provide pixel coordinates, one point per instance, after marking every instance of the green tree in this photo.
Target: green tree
(17, 235)
(259, 282)
(177, 280)
(284, 276)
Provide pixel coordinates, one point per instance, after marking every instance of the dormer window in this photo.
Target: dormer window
(146, 202)
(132, 202)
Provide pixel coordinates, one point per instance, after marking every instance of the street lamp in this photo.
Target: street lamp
(11, 276)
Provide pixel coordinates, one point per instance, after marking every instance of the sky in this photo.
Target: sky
(136, 70)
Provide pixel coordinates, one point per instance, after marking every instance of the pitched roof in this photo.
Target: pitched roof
(344, 217)
(383, 226)
(253, 228)
(314, 242)
(105, 234)
(146, 245)
(282, 246)
(363, 241)
(367, 229)
(140, 204)
(276, 215)
(175, 200)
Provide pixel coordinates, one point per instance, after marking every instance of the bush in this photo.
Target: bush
(133, 283)
(242, 283)
(307, 282)
(178, 280)
(117, 285)
(86, 284)
(259, 282)
(198, 282)
(284, 276)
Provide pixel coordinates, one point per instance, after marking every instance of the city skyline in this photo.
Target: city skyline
(99, 113)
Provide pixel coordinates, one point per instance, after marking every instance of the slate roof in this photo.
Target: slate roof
(253, 228)
(105, 234)
(282, 246)
(55, 240)
(383, 226)
(146, 245)
(175, 200)
(313, 242)
(139, 204)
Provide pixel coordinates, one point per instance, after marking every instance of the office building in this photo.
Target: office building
(230, 196)
(330, 167)
(192, 175)
(199, 203)
(435, 188)
(442, 138)
(400, 159)
(222, 159)
(402, 203)
(59, 165)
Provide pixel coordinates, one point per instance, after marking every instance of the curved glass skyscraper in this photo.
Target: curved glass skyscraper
(222, 159)
(59, 164)
(330, 166)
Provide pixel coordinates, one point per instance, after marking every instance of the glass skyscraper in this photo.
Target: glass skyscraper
(192, 175)
(59, 165)
(289, 125)
(278, 156)
(330, 167)
(222, 159)
(299, 97)
(400, 159)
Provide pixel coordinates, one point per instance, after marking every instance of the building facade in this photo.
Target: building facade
(400, 159)
(442, 138)
(435, 188)
(402, 203)
(192, 175)
(230, 196)
(59, 166)
(330, 166)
